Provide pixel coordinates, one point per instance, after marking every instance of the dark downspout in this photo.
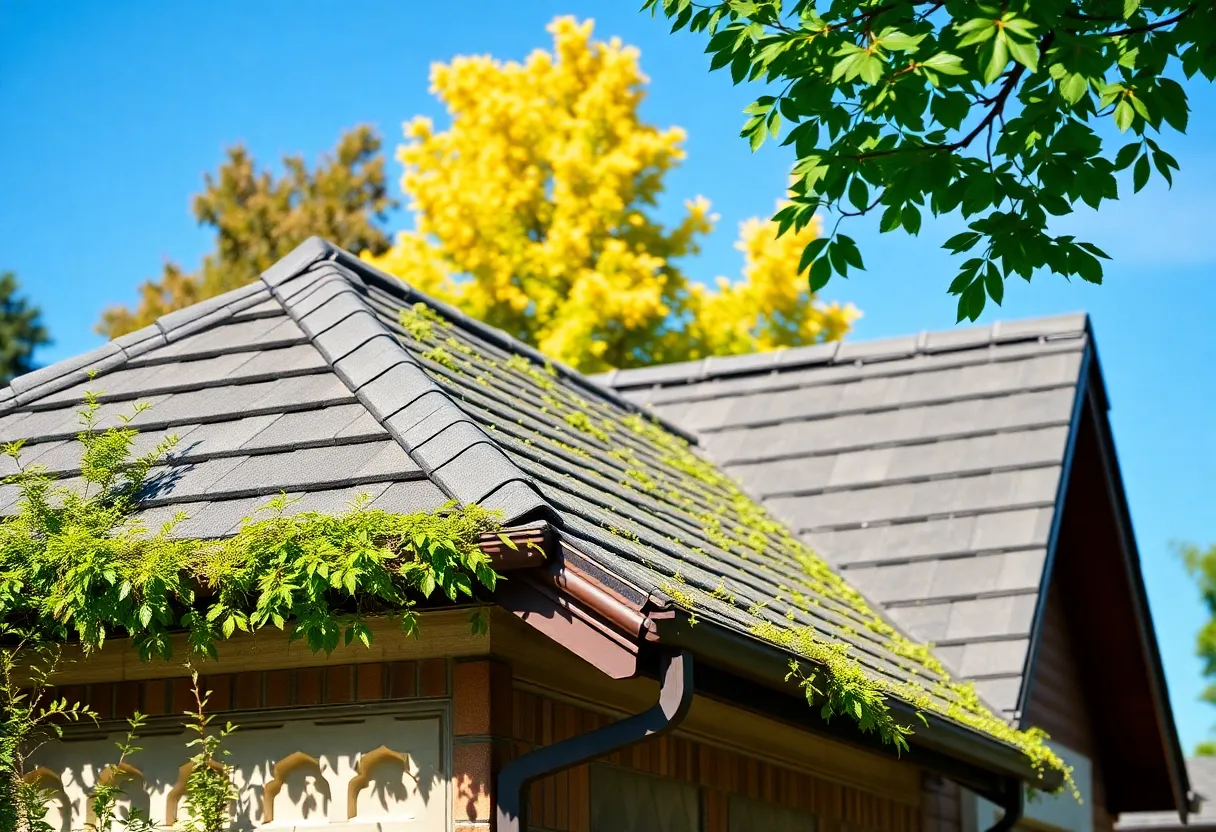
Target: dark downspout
(675, 697)
(1013, 803)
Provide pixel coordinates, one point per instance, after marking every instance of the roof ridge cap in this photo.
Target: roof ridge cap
(327, 301)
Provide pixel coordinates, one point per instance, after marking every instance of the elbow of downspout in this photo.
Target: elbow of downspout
(1013, 803)
(675, 698)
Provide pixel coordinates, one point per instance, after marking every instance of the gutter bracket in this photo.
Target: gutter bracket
(1013, 801)
(675, 698)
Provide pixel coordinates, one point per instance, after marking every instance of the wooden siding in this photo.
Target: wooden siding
(561, 803)
(1057, 701)
(258, 690)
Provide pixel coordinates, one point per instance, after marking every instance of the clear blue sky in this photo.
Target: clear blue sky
(112, 112)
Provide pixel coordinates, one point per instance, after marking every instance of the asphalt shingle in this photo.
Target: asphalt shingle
(926, 468)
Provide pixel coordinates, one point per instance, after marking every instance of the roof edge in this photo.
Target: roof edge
(868, 351)
(1176, 759)
(167, 328)
(326, 300)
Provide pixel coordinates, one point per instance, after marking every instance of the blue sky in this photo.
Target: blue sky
(113, 113)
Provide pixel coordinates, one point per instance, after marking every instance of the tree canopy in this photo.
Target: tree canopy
(536, 211)
(259, 217)
(994, 111)
(21, 330)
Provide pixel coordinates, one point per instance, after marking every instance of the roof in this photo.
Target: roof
(1202, 774)
(328, 379)
(926, 468)
(933, 472)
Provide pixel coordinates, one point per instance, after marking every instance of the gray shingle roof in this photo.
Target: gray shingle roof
(308, 383)
(925, 468)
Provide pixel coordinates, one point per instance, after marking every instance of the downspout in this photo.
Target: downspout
(1013, 802)
(675, 697)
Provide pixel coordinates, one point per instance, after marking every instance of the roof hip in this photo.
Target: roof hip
(325, 297)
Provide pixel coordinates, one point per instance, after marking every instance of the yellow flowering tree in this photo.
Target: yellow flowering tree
(534, 211)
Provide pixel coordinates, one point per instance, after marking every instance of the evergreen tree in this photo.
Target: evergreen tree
(259, 218)
(21, 330)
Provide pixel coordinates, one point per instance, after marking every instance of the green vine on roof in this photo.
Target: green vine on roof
(79, 564)
(657, 465)
(832, 678)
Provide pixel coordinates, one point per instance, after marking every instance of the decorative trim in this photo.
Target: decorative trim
(366, 763)
(284, 767)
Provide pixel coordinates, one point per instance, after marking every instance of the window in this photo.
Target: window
(624, 801)
(748, 815)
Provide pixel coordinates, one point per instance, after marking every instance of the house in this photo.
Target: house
(634, 671)
(966, 482)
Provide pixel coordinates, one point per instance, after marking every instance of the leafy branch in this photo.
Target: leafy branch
(884, 104)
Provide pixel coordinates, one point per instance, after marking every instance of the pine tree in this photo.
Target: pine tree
(21, 330)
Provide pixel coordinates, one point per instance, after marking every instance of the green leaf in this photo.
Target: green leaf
(1129, 8)
(1140, 174)
(850, 251)
(997, 61)
(962, 242)
(976, 31)
(813, 249)
(891, 219)
(950, 109)
(1124, 115)
(821, 273)
(1074, 87)
(946, 64)
(870, 69)
(994, 283)
(911, 218)
(1126, 155)
(899, 41)
(859, 193)
(1027, 54)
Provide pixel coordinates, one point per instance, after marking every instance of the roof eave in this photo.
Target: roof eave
(973, 759)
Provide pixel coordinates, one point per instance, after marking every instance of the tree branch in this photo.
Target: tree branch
(1150, 27)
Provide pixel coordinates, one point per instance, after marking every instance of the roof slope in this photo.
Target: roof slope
(926, 468)
(325, 381)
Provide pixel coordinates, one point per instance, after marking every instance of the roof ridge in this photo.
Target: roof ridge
(493, 335)
(867, 351)
(169, 327)
(326, 299)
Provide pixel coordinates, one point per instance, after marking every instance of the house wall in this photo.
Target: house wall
(561, 803)
(719, 750)
(372, 747)
(1057, 702)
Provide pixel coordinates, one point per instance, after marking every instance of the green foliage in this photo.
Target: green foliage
(209, 787)
(992, 111)
(28, 719)
(1201, 564)
(1207, 748)
(78, 563)
(259, 218)
(21, 330)
(109, 789)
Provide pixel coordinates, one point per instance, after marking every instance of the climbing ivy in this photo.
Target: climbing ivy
(79, 563)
